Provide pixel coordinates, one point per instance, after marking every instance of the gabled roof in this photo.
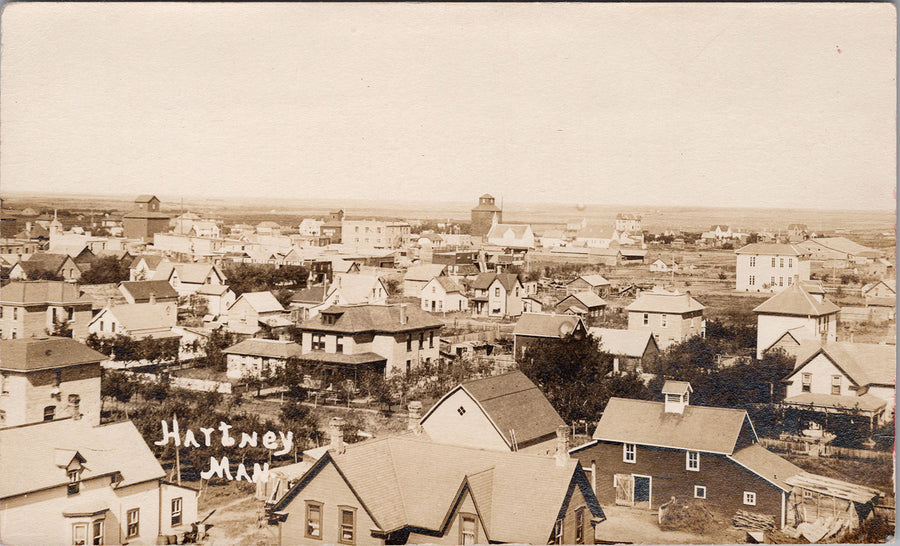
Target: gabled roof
(424, 272)
(261, 302)
(514, 403)
(195, 273)
(595, 232)
(769, 466)
(889, 283)
(593, 280)
(844, 245)
(140, 316)
(406, 481)
(795, 300)
(312, 294)
(588, 299)
(630, 343)
(142, 290)
(772, 249)
(144, 198)
(484, 280)
(676, 387)
(356, 288)
(547, 325)
(663, 301)
(863, 363)
(152, 260)
(699, 428)
(448, 284)
(29, 454)
(866, 402)
(36, 292)
(370, 318)
(45, 261)
(270, 348)
(499, 230)
(31, 354)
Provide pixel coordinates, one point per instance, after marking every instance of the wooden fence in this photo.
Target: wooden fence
(825, 450)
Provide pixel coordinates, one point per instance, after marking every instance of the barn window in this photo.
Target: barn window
(629, 453)
(835, 384)
(749, 498)
(699, 491)
(693, 460)
(807, 382)
(461, 411)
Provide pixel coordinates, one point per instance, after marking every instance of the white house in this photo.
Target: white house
(347, 289)
(793, 315)
(514, 236)
(672, 317)
(136, 320)
(258, 357)
(311, 227)
(770, 267)
(497, 295)
(252, 309)
(840, 376)
(417, 276)
(443, 294)
(188, 278)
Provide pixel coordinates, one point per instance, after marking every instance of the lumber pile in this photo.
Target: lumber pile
(748, 520)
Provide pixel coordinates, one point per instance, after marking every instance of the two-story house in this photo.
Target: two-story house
(187, 278)
(798, 312)
(843, 377)
(347, 289)
(672, 317)
(46, 378)
(442, 294)
(136, 320)
(504, 412)
(148, 292)
(392, 338)
(497, 295)
(251, 311)
(37, 308)
(644, 453)
(408, 490)
(259, 357)
(42, 265)
(69, 481)
(417, 276)
(770, 267)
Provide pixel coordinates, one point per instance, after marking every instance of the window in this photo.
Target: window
(749, 498)
(15, 313)
(409, 342)
(497, 292)
(408, 365)
(79, 534)
(74, 482)
(780, 281)
(790, 262)
(773, 261)
(97, 535)
(790, 281)
(579, 525)
(340, 344)
(461, 411)
(752, 280)
(348, 525)
(693, 461)
(835, 384)
(807, 494)
(421, 340)
(53, 314)
(101, 325)
(558, 532)
(807, 382)
(318, 342)
(313, 519)
(1, 311)
(629, 453)
(752, 261)
(771, 281)
(3, 384)
(468, 531)
(134, 523)
(663, 321)
(780, 262)
(646, 319)
(49, 412)
(176, 511)
(431, 340)
(699, 491)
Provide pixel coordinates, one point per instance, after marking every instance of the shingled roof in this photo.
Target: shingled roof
(484, 280)
(863, 363)
(772, 249)
(663, 301)
(354, 319)
(32, 354)
(141, 291)
(40, 292)
(406, 481)
(271, 348)
(795, 300)
(546, 325)
(630, 343)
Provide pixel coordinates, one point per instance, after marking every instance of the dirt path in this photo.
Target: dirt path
(624, 524)
(237, 523)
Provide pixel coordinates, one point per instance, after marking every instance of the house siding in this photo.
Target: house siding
(771, 327)
(471, 429)
(763, 272)
(678, 328)
(28, 394)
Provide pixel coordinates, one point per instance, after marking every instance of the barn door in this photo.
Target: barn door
(624, 489)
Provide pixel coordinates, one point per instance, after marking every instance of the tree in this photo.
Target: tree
(108, 269)
(44, 275)
(301, 420)
(61, 328)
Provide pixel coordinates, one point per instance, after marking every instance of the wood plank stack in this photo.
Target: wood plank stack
(748, 520)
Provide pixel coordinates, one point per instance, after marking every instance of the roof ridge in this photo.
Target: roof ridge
(395, 474)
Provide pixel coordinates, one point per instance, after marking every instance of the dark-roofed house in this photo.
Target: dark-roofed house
(770, 267)
(44, 265)
(442, 294)
(252, 357)
(644, 453)
(392, 338)
(632, 350)
(505, 412)
(671, 317)
(587, 305)
(70, 482)
(800, 310)
(35, 308)
(588, 283)
(497, 295)
(148, 292)
(840, 377)
(532, 328)
(407, 490)
(145, 220)
(47, 378)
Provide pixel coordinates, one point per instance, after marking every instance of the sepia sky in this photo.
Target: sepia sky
(758, 105)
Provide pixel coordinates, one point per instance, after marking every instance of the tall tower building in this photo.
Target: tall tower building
(485, 215)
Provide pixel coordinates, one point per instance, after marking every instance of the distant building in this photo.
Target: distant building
(34, 308)
(795, 314)
(442, 294)
(486, 214)
(770, 267)
(332, 226)
(587, 305)
(136, 320)
(515, 237)
(671, 317)
(259, 357)
(589, 283)
(629, 223)
(533, 328)
(44, 265)
(497, 295)
(632, 350)
(418, 276)
(145, 220)
(375, 234)
(148, 292)
(839, 252)
(253, 310)
(188, 278)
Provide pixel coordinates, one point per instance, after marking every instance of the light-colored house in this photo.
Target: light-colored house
(186, 278)
(632, 350)
(39, 264)
(136, 320)
(48, 378)
(252, 309)
(628, 222)
(840, 377)
(381, 338)
(144, 267)
(770, 267)
(660, 266)
(505, 412)
(442, 294)
(259, 357)
(417, 276)
(34, 308)
(374, 234)
(793, 315)
(86, 484)
(497, 295)
(589, 283)
(881, 293)
(532, 328)
(587, 305)
(671, 317)
(408, 490)
(218, 298)
(311, 227)
(513, 236)
(347, 289)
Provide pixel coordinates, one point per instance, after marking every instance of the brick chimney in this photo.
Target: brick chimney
(415, 414)
(562, 445)
(337, 435)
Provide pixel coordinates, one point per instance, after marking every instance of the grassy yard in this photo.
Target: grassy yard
(859, 471)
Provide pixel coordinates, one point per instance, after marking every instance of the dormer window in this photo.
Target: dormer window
(74, 481)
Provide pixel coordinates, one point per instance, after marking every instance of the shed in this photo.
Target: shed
(815, 497)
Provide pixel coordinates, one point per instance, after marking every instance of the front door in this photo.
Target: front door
(642, 491)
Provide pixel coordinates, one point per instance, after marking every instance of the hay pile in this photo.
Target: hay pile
(689, 515)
